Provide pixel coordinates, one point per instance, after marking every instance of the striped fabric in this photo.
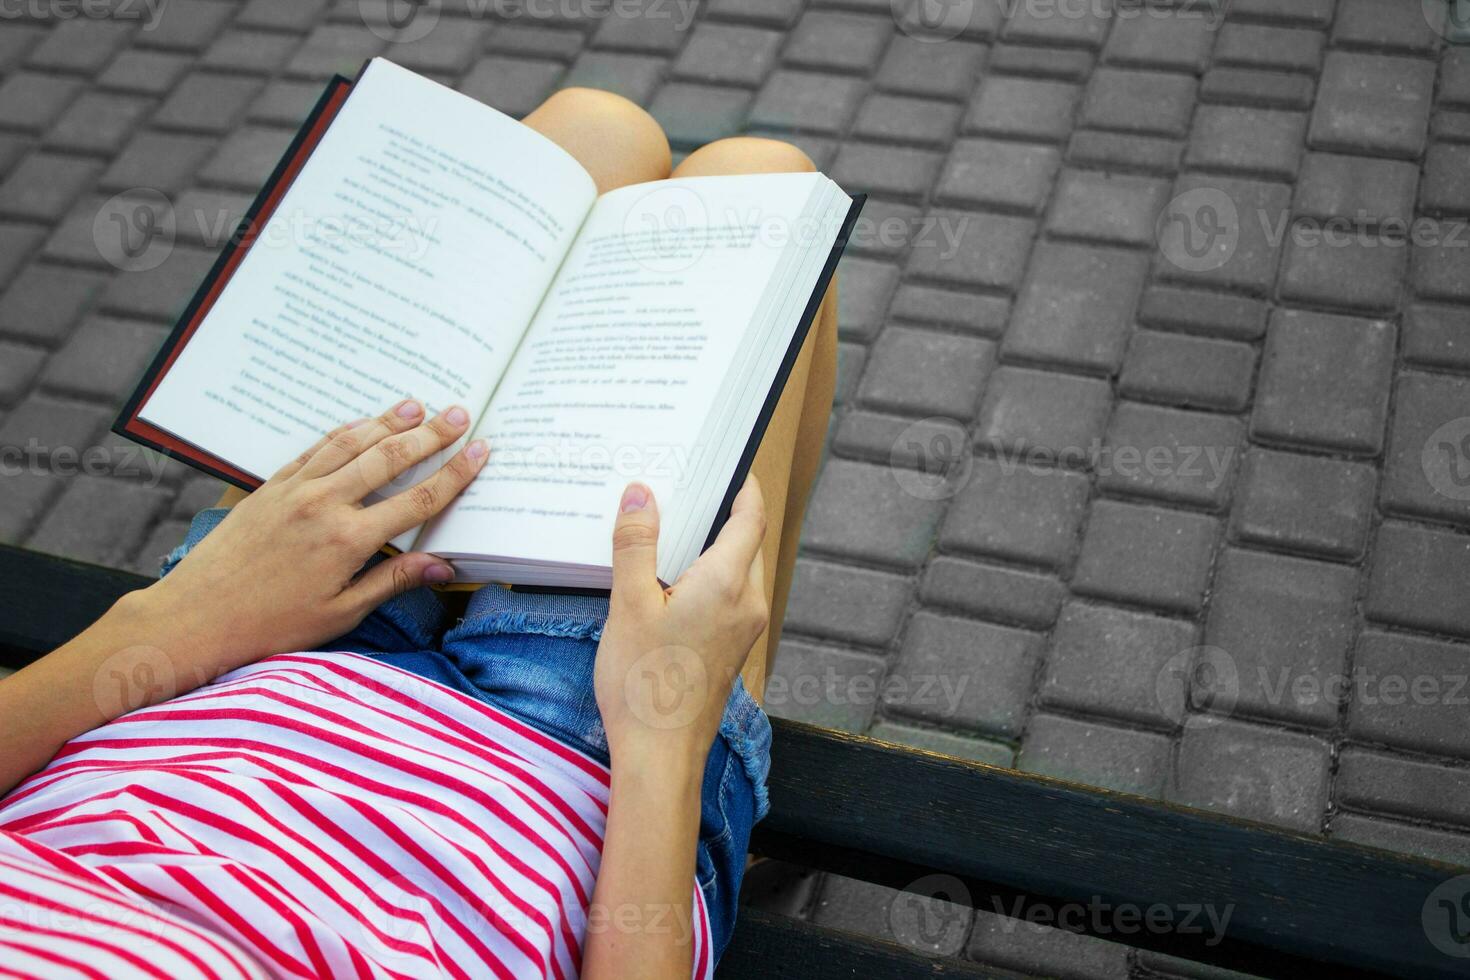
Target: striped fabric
(315, 814)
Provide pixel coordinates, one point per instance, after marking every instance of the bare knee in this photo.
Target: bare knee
(745, 155)
(613, 138)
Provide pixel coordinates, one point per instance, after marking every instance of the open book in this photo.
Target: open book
(415, 242)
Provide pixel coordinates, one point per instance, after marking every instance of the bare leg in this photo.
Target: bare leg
(786, 463)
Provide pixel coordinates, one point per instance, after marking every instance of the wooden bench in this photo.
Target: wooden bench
(1300, 906)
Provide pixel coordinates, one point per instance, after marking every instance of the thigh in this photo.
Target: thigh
(614, 139)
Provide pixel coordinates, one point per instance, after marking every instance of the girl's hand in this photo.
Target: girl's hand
(669, 657)
(280, 573)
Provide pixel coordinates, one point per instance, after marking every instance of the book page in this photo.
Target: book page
(406, 259)
(622, 364)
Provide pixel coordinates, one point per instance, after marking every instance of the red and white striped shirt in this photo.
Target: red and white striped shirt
(314, 814)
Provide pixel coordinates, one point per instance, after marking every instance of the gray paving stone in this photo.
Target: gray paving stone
(145, 72)
(285, 102)
(17, 242)
(1194, 372)
(43, 424)
(32, 101)
(1440, 268)
(97, 123)
(1250, 244)
(963, 673)
(985, 315)
(1120, 208)
(897, 171)
(1356, 271)
(839, 602)
(992, 592)
(197, 492)
(1437, 336)
(1285, 624)
(299, 15)
(1023, 108)
(1262, 46)
(1124, 152)
(989, 250)
(999, 175)
(1150, 102)
(334, 49)
(1411, 693)
(512, 85)
(866, 286)
(247, 157)
(1418, 579)
(837, 41)
(1394, 26)
(104, 359)
(251, 52)
(890, 229)
(633, 76)
(1108, 661)
(728, 54)
(803, 101)
(1454, 77)
(1016, 511)
(46, 301)
(644, 32)
(1076, 306)
(99, 519)
(18, 41)
(693, 115)
(850, 359)
(824, 686)
(1427, 471)
(26, 497)
(934, 740)
(533, 40)
(1170, 454)
(1311, 13)
(923, 372)
(19, 363)
(1446, 186)
(165, 162)
(931, 446)
(1324, 381)
(979, 21)
(860, 511)
(915, 67)
(1406, 838)
(1038, 61)
(1146, 555)
(1366, 189)
(188, 25)
(1043, 415)
(922, 923)
(907, 120)
(1397, 786)
(1377, 103)
(209, 217)
(44, 185)
(1248, 771)
(1320, 506)
(1041, 950)
(82, 45)
(780, 13)
(1213, 314)
(161, 293)
(1262, 142)
(1082, 25)
(1095, 754)
(162, 539)
(1249, 86)
(1179, 39)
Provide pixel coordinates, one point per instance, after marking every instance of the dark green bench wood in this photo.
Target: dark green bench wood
(1300, 906)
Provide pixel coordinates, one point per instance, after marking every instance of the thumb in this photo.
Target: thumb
(635, 545)
(397, 575)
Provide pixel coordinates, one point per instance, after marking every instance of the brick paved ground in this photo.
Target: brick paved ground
(1152, 268)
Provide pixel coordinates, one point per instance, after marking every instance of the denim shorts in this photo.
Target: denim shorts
(531, 654)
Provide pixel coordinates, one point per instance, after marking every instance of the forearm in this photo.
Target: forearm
(137, 654)
(640, 923)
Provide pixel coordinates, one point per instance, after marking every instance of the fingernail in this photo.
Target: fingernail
(438, 574)
(634, 498)
(409, 409)
(476, 450)
(457, 416)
